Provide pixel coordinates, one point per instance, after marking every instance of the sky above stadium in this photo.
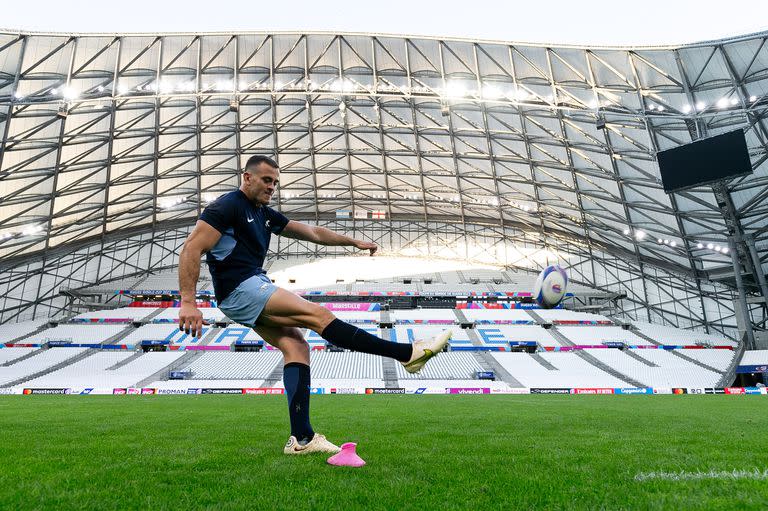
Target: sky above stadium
(596, 22)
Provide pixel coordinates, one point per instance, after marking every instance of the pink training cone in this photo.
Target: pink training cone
(347, 457)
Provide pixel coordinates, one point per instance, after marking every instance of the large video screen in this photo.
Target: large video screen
(704, 161)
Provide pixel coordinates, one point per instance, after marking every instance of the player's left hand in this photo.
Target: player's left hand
(366, 245)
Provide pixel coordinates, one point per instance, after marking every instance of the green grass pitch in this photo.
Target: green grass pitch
(423, 452)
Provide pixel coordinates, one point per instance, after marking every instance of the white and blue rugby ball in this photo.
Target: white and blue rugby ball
(550, 287)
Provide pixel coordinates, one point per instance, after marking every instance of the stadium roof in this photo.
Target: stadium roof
(110, 135)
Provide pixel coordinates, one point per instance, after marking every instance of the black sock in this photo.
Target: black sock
(352, 338)
(296, 379)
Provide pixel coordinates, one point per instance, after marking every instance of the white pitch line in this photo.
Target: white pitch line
(712, 474)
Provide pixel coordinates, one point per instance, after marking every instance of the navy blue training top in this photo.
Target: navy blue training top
(245, 231)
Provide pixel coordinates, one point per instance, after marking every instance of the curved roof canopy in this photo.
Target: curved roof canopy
(108, 133)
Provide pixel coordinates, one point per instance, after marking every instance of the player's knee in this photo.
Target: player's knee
(296, 341)
(295, 350)
(321, 318)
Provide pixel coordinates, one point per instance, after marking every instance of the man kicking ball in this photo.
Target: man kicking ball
(234, 232)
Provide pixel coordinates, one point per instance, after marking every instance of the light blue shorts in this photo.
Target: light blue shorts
(245, 304)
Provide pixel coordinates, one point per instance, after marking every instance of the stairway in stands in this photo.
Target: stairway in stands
(183, 361)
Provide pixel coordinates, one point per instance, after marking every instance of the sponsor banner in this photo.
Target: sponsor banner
(148, 391)
(662, 391)
(717, 390)
(257, 391)
(535, 390)
(518, 391)
(171, 391)
(27, 392)
(133, 390)
(221, 391)
(354, 306)
(752, 390)
(246, 342)
(317, 390)
(426, 390)
(679, 391)
(380, 390)
(208, 347)
(735, 390)
(93, 391)
(468, 390)
(9, 392)
(695, 390)
(119, 391)
(748, 369)
(633, 390)
(346, 390)
(592, 391)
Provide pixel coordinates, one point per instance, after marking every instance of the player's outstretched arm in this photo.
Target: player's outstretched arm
(202, 238)
(323, 236)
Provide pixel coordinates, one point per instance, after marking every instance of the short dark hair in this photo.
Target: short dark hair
(254, 161)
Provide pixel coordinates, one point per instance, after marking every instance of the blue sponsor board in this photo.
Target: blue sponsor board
(523, 343)
(317, 390)
(749, 369)
(249, 343)
(633, 390)
(752, 390)
(155, 342)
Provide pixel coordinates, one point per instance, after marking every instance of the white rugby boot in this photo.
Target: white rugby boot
(317, 444)
(426, 349)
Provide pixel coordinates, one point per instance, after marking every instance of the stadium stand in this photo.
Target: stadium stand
(233, 366)
(358, 316)
(346, 366)
(670, 371)
(122, 313)
(410, 333)
(447, 366)
(600, 334)
(41, 361)
(678, 336)
(503, 334)
(484, 334)
(751, 357)
(89, 372)
(563, 316)
(424, 316)
(8, 355)
(498, 316)
(13, 331)
(558, 370)
(79, 334)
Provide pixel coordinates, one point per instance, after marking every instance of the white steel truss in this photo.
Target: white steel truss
(110, 142)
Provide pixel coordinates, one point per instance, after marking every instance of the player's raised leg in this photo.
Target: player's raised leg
(289, 310)
(296, 378)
